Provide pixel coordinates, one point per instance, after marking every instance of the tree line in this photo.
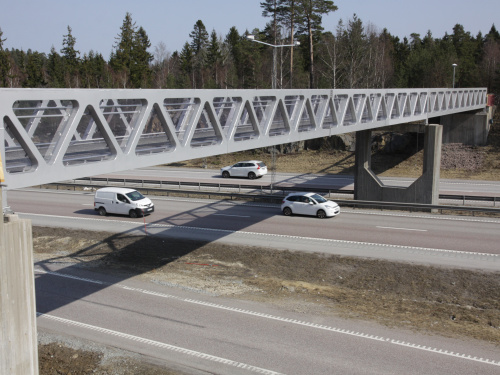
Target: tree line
(354, 55)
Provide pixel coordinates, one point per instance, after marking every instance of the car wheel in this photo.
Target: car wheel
(251, 176)
(133, 214)
(102, 211)
(225, 174)
(287, 211)
(321, 214)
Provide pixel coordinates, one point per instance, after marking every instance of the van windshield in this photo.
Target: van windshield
(135, 196)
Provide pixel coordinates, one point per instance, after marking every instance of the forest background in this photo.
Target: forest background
(351, 56)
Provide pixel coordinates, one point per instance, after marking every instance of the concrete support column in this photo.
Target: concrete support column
(367, 186)
(18, 335)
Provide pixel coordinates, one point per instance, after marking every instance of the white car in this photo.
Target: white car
(309, 204)
(250, 168)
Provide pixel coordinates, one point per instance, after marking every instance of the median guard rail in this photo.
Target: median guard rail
(154, 187)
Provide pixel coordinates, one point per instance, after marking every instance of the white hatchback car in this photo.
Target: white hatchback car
(309, 204)
(250, 168)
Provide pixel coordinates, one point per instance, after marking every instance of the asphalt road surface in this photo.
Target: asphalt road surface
(208, 334)
(459, 187)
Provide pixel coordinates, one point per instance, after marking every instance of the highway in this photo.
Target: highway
(209, 334)
(326, 181)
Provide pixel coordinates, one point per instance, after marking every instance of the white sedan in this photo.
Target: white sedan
(309, 204)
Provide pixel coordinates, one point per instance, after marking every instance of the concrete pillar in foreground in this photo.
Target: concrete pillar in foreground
(18, 335)
(367, 186)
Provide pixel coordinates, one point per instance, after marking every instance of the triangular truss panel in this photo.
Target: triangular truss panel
(393, 106)
(181, 112)
(405, 105)
(20, 158)
(44, 122)
(307, 121)
(366, 111)
(89, 143)
(318, 105)
(330, 120)
(423, 102)
(122, 116)
(294, 105)
(247, 126)
(382, 110)
(226, 110)
(156, 136)
(206, 132)
(280, 124)
(263, 107)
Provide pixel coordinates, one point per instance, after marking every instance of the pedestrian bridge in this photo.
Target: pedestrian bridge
(49, 135)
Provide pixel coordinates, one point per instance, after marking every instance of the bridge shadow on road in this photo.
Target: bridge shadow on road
(114, 258)
(151, 247)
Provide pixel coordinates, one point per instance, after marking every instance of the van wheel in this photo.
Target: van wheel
(102, 211)
(133, 214)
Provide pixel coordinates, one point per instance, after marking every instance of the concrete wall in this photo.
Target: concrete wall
(18, 341)
(467, 128)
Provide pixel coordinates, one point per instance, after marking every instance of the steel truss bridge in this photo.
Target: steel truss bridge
(50, 135)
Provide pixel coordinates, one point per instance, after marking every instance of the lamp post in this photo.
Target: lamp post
(454, 66)
(274, 74)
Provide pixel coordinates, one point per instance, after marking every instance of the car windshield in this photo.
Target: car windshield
(318, 198)
(135, 196)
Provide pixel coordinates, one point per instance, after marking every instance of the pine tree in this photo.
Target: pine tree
(310, 13)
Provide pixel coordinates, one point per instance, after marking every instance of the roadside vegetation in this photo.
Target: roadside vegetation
(354, 54)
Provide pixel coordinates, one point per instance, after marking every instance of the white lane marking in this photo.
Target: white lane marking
(229, 215)
(261, 234)
(417, 230)
(282, 319)
(162, 345)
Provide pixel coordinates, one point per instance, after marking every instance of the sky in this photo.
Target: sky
(39, 25)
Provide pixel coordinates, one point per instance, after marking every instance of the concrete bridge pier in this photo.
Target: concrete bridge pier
(425, 190)
(18, 334)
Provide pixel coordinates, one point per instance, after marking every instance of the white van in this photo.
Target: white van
(123, 201)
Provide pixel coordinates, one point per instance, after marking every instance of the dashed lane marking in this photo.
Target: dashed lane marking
(285, 320)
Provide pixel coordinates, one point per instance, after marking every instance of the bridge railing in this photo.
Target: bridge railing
(49, 135)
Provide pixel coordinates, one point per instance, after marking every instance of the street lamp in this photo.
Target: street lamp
(454, 66)
(251, 38)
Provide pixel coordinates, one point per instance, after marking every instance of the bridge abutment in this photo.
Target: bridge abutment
(469, 128)
(425, 190)
(18, 334)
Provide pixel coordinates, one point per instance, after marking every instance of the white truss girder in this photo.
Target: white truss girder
(50, 135)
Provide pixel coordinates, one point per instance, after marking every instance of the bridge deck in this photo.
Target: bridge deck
(49, 135)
